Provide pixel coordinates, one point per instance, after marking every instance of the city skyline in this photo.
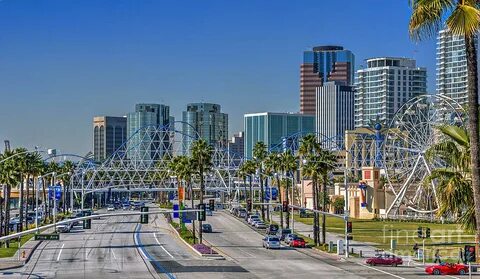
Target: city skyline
(100, 60)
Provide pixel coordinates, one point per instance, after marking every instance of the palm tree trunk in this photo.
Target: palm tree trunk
(193, 206)
(245, 188)
(7, 189)
(315, 214)
(262, 192)
(20, 210)
(202, 189)
(324, 209)
(281, 202)
(474, 131)
(287, 214)
(27, 195)
(251, 192)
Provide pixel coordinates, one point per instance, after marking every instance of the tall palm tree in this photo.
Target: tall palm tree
(311, 169)
(273, 164)
(9, 175)
(34, 165)
(242, 173)
(453, 182)
(250, 170)
(66, 169)
(259, 154)
(202, 155)
(308, 146)
(21, 165)
(462, 18)
(288, 166)
(327, 162)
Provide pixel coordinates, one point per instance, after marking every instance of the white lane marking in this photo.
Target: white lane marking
(113, 254)
(382, 271)
(161, 246)
(60, 253)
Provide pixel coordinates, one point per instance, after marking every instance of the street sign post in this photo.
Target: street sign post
(53, 236)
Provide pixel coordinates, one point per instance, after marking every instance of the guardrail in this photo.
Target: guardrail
(36, 230)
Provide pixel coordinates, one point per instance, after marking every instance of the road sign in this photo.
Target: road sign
(55, 191)
(274, 192)
(175, 211)
(53, 236)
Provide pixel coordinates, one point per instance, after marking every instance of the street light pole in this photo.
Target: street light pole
(293, 225)
(54, 202)
(39, 180)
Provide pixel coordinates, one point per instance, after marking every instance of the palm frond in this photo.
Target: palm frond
(426, 18)
(464, 20)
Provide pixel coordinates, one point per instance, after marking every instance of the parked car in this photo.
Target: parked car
(207, 228)
(283, 232)
(297, 242)
(289, 237)
(447, 269)
(271, 242)
(272, 229)
(385, 260)
(253, 217)
(255, 221)
(260, 225)
(110, 207)
(242, 213)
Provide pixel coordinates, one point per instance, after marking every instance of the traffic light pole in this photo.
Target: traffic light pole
(346, 235)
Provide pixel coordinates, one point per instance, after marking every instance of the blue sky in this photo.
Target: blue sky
(63, 62)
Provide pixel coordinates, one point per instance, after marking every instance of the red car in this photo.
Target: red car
(447, 268)
(385, 260)
(297, 242)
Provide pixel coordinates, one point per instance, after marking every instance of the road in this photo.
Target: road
(243, 245)
(119, 247)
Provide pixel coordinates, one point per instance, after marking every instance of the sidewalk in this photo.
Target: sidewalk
(307, 230)
(22, 256)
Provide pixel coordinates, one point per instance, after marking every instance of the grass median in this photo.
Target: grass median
(13, 246)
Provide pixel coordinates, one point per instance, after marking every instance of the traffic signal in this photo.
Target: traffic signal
(427, 233)
(469, 253)
(420, 232)
(349, 227)
(211, 205)
(249, 205)
(87, 224)
(285, 206)
(202, 214)
(144, 217)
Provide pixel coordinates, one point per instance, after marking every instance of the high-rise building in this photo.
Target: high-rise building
(385, 85)
(335, 110)
(109, 133)
(272, 128)
(151, 145)
(322, 64)
(236, 144)
(452, 67)
(208, 121)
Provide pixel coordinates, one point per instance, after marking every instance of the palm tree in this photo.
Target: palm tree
(308, 146)
(242, 173)
(21, 165)
(250, 170)
(202, 155)
(259, 155)
(49, 168)
(312, 169)
(327, 164)
(288, 166)
(8, 176)
(66, 169)
(273, 164)
(462, 18)
(34, 165)
(453, 182)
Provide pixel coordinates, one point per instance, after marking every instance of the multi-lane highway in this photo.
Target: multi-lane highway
(119, 247)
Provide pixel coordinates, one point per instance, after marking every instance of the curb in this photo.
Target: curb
(212, 256)
(26, 260)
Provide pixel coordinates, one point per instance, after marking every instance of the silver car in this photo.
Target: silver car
(271, 242)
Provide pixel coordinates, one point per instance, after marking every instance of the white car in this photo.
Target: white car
(251, 220)
(64, 228)
(110, 208)
(260, 225)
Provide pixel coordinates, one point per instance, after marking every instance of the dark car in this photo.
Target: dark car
(272, 229)
(385, 260)
(447, 269)
(207, 228)
(283, 232)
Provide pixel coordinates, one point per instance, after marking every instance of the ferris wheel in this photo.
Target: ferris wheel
(413, 129)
